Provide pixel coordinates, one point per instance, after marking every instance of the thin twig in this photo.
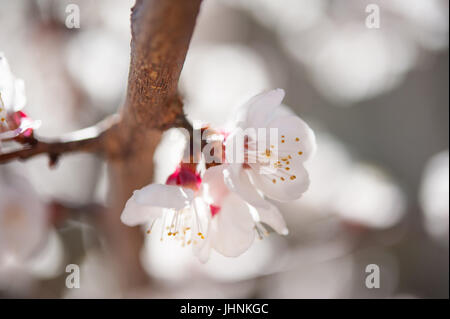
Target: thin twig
(91, 139)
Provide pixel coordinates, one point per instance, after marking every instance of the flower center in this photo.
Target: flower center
(182, 225)
(185, 176)
(272, 162)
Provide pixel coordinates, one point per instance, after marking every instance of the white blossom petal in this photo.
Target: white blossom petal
(273, 218)
(136, 214)
(19, 95)
(8, 135)
(234, 227)
(23, 219)
(237, 180)
(261, 107)
(165, 196)
(295, 137)
(295, 183)
(27, 123)
(216, 188)
(12, 90)
(203, 249)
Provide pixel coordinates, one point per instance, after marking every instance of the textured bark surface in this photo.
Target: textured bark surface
(161, 32)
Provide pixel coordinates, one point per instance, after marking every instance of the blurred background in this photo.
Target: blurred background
(377, 99)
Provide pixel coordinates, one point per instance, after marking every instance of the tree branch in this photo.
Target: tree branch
(91, 139)
(161, 33)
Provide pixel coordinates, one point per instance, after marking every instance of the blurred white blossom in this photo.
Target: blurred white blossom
(369, 197)
(217, 79)
(434, 196)
(29, 248)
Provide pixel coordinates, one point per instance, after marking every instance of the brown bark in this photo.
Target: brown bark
(161, 32)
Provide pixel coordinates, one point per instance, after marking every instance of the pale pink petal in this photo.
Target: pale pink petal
(8, 135)
(235, 227)
(27, 123)
(23, 218)
(295, 138)
(165, 196)
(19, 95)
(237, 180)
(12, 89)
(273, 218)
(216, 188)
(261, 107)
(282, 110)
(136, 214)
(203, 248)
(283, 185)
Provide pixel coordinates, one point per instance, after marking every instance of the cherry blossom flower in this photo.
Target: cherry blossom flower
(23, 221)
(224, 208)
(174, 204)
(275, 169)
(13, 122)
(30, 248)
(181, 208)
(201, 212)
